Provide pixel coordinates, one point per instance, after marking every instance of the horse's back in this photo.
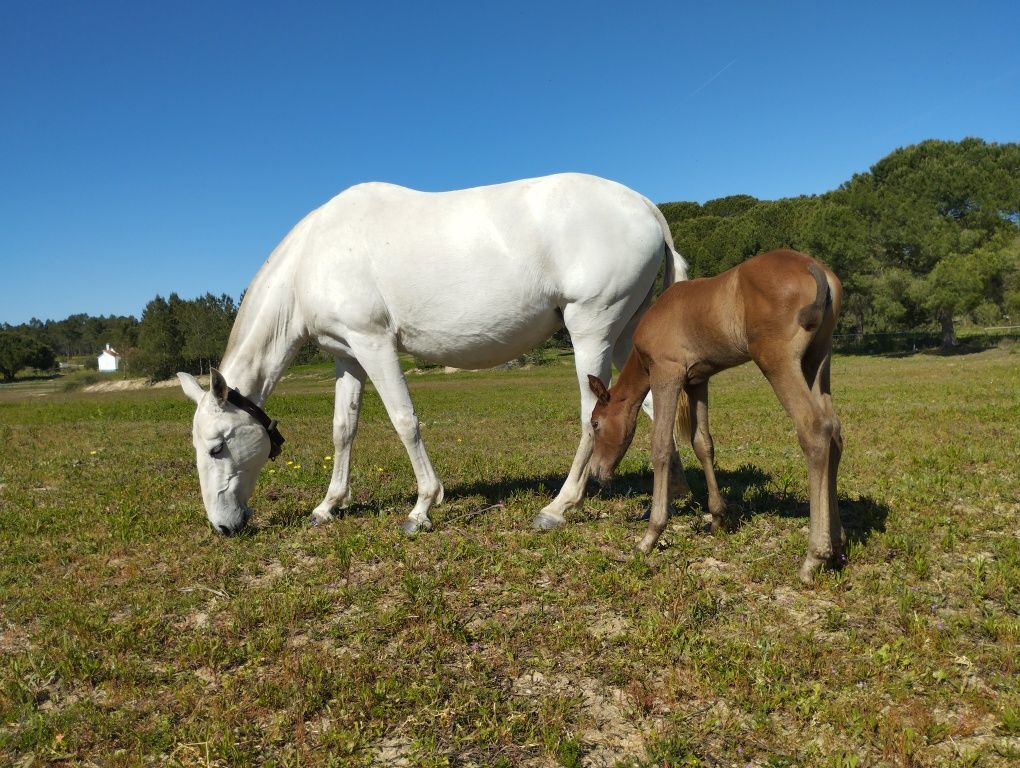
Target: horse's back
(480, 275)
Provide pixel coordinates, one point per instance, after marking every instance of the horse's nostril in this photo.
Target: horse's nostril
(224, 530)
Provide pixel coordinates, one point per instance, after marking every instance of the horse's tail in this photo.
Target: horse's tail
(676, 265)
(810, 315)
(682, 423)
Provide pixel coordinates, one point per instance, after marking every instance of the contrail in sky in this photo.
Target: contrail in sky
(708, 82)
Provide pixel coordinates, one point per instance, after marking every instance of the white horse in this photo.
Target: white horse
(470, 278)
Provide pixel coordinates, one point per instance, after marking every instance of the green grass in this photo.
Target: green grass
(129, 633)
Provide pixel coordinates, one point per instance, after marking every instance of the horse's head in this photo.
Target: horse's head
(613, 431)
(230, 447)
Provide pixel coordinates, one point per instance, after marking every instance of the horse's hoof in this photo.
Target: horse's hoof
(319, 518)
(412, 526)
(547, 521)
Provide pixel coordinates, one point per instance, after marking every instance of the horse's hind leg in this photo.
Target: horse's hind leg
(350, 380)
(378, 356)
(591, 356)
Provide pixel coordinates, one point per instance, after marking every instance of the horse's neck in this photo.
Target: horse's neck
(266, 335)
(631, 386)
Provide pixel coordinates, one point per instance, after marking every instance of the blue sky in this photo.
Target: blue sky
(155, 147)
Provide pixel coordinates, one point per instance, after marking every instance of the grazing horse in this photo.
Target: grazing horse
(470, 278)
(778, 309)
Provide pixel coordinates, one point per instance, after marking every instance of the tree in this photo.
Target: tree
(18, 351)
(160, 340)
(954, 286)
(930, 209)
(836, 234)
(205, 323)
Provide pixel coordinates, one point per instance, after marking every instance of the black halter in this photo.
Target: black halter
(275, 438)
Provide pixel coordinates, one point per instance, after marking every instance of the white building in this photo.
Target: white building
(109, 359)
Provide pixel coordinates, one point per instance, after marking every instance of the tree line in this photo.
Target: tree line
(173, 334)
(927, 236)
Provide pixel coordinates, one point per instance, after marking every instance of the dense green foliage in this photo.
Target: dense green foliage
(19, 351)
(80, 334)
(178, 335)
(930, 234)
(174, 334)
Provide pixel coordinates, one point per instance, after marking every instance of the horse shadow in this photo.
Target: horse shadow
(748, 491)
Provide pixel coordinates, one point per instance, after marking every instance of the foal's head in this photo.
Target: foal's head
(613, 431)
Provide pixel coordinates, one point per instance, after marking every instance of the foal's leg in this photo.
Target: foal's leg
(665, 394)
(704, 449)
(815, 430)
(378, 356)
(350, 380)
(591, 356)
(822, 391)
(677, 478)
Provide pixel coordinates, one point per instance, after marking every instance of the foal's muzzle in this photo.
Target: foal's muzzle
(600, 474)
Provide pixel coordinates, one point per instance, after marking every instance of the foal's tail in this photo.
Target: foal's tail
(676, 265)
(682, 423)
(810, 316)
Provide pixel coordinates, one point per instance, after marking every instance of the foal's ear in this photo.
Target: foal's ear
(218, 386)
(598, 389)
(191, 386)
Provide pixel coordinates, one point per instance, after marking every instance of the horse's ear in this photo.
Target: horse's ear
(598, 389)
(218, 386)
(191, 386)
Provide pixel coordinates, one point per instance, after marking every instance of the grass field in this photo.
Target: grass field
(130, 634)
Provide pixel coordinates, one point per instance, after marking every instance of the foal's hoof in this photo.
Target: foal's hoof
(644, 547)
(412, 526)
(809, 568)
(547, 521)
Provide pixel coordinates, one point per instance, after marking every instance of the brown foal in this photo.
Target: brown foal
(778, 309)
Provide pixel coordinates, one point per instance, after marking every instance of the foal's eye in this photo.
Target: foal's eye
(595, 426)
(217, 450)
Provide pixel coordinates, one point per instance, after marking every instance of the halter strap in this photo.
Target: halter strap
(275, 438)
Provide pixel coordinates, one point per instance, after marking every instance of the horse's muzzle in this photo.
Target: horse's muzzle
(226, 530)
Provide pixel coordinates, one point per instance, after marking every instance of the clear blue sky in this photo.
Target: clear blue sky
(155, 147)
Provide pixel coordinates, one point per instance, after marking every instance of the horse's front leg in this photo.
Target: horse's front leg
(350, 381)
(378, 357)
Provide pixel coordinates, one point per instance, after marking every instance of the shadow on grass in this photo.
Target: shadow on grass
(748, 491)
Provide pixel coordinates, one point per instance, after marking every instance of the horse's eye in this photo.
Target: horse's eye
(217, 450)
(595, 426)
